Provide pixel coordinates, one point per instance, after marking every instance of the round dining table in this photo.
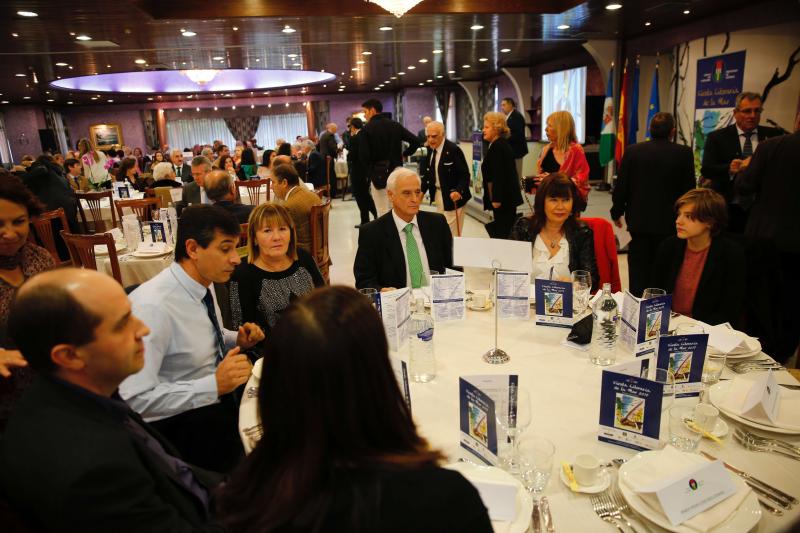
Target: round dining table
(564, 388)
(136, 270)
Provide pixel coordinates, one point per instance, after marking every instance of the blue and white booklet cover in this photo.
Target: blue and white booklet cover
(400, 368)
(643, 322)
(395, 309)
(684, 355)
(478, 397)
(630, 406)
(448, 296)
(157, 232)
(123, 191)
(553, 303)
(513, 293)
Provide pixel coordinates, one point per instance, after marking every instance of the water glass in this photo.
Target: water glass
(667, 378)
(712, 370)
(536, 463)
(372, 294)
(581, 286)
(680, 436)
(652, 293)
(689, 328)
(513, 425)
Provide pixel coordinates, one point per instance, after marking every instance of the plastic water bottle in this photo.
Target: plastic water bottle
(422, 360)
(605, 329)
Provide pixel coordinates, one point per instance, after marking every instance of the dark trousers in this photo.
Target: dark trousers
(641, 254)
(500, 227)
(366, 204)
(790, 328)
(737, 219)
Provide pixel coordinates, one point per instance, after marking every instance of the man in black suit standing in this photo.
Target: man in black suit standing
(516, 123)
(329, 147)
(402, 247)
(446, 175)
(71, 439)
(652, 176)
(725, 150)
(183, 172)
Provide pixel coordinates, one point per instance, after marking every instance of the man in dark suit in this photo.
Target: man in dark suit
(183, 172)
(403, 246)
(315, 169)
(446, 175)
(329, 147)
(726, 148)
(652, 176)
(194, 191)
(221, 190)
(358, 175)
(74, 456)
(517, 139)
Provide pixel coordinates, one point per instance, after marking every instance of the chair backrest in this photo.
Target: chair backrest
(254, 190)
(93, 200)
(319, 237)
(325, 190)
(243, 235)
(81, 250)
(43, 228)
(605, 253)
(165, 195)
(143, 208)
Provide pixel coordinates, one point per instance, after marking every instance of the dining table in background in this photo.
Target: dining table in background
(136, 270)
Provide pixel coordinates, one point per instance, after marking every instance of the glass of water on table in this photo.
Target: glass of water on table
(581, 287)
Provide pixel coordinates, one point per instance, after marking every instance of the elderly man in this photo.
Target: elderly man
(446, 175)
(194, 192)
(192, 363)
(516, 125)
(297, 199)
(329, 147)
(422, 134)
(72, 438)
(164, 175)
(315, 165)
(221, 190)
(402, 247)
(182, 171)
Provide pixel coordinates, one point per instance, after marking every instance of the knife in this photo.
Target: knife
(536, 518)
(744, 475)
(546, 516)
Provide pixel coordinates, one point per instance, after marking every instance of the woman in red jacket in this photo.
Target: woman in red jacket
(564, 154)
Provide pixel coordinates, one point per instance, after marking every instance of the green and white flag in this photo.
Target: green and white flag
(607, 134)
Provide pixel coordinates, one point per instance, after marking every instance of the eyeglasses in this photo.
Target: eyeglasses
(750, 111)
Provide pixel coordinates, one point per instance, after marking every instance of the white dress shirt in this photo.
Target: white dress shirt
(401, 224)
(753, 138)
(181, 349)
(544, 265)
(435, 157)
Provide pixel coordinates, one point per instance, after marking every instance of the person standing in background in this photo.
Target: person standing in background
(516, 125)
(502, 191)
(358, 174)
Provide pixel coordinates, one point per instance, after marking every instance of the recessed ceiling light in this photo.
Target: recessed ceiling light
(139, 61)
(50, 100)
(385, 28)
(222, 60)
(150, 98)
(188, 34)
(438, 51)
(366, 53)
(197, 109)
(110, 101)
(235, 28)
(401, 73)
(83, 38)
(563, 26)
(505, 50)
(27, 14)
(288, 29)
(647, 23)
(287, 104)
(180, 110)
(465, 66)
(354, 68)
(359, 62)
(70, 103)
(233, 107)
(393, 78)
(451, 71)
(4, 102)
(20, 75)
(686, 11)
(26, 97)
(429, 81)
(252, 106)
(266, 92)
(15, 34)
(70, 67)
(72, 33)
(258, 59)
(476, 27)
(483, 59)
(340, 90)
(217, 58)
(420, 83)
(215, 108)
(411, 67)
(613, 6)
(292, 56)
(423, 60)
(439, 77)
(190, 96)
(269, 105)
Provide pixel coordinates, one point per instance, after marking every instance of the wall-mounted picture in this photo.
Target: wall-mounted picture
(105, 136)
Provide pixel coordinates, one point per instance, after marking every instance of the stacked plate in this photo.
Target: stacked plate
(749, 347)
(102, 249)
(729, 397)
(144, 254)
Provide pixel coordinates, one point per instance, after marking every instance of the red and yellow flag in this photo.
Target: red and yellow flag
(623, 116)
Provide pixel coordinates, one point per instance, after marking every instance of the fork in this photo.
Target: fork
(602, 511)
(614, 509)
(752, 446)
(743, 368)
(622, 506)
(766, 441)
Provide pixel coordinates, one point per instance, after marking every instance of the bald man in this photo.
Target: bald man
(72, 437)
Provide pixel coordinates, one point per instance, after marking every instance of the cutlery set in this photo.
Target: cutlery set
(611, 507)
(541, 519)
(742, 367)
(758, 443)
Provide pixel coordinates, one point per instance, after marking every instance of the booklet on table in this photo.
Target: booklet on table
(478, 400)
(395, 310)
(643, 321)
(553, 303)
(684, 355)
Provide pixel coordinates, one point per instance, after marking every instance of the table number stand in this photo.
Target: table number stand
(496, 356)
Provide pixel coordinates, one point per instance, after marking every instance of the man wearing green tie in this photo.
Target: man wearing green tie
(402, 247)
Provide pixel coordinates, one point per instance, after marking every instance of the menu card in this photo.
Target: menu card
(400, 368)
(448, 297)
(684, 355)
(176, 193)
(478, 396)
(643, 321)
(157, 232)
(513, 291)
(553, 303)
(395, 309)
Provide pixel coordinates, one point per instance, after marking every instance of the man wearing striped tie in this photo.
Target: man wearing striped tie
(402, 247)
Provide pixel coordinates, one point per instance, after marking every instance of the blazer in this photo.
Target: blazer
(499, 169)
(46, 182)
(95, 474)
(191, 193)
(453, 175)
(516, 123)
(316, 169)
(186, 173)
(652, 176)
(721, 289)
(383, 141)
(721, 147)
(327, 145)
(299, 204)
(380, 261)
(240, 211)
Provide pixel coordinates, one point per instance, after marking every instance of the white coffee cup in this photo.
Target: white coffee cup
(479, 301)
(705, 416)
(586, 469)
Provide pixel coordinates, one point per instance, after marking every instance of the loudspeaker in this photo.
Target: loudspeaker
(48, 140)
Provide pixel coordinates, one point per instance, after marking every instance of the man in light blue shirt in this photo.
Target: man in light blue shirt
(192, 363)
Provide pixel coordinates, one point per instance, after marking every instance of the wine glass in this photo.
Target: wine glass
(652, 292)
(513, 416)
(581, 285)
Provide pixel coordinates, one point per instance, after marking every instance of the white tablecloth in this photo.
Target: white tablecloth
(565, 390)
(136, 270)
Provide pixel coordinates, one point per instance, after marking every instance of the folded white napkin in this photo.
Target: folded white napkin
(723, 339)
(642, 475)
(788, 402)
(499, 491)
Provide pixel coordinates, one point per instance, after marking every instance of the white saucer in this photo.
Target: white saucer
(720, 429)
(476, 308)
(603, 482)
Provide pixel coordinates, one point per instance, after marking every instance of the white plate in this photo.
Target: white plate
(717, 394)
(744, 519)
(145, 254)
(476, 308)
(740, 353)
(524, 499)
(720, 429)
(102, 249)
(743, 355)
(603, 482)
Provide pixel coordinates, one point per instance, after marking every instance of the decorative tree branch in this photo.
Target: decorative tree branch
(778, 79)
(727, 42)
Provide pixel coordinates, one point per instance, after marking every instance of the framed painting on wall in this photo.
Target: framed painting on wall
(105, 136)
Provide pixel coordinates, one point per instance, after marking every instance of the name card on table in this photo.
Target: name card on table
(553, 303)
(123, 191)
(643, 321)
(152, 247)
(478, 398)
(513, 292)
(689, 495)
(763, 399)
(176, 193)
(630, 410)
(169, 216)
(158, 232)
(400, 368)
(395, 309)
(448, 300)
(684, 355)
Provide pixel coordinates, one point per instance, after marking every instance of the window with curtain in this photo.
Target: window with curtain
(5, 146)
(286, 126)
(185, 133)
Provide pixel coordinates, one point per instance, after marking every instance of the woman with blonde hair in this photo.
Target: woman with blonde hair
(276, 272)
(95, 165)
(502, 192)
(564, 154)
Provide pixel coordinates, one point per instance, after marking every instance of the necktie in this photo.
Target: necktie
(747, 151)
(414, 261)
(208, 301)
(178, 171)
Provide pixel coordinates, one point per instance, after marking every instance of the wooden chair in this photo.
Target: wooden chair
(319, 238)
(43, 229)
(93, 200)
(142, 208)
(243, 235)
(81, 250)
(254, 190)
(325, 191)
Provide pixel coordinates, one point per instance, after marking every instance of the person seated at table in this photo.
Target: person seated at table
(402, 247)
(247, 165)
(221, 190)
(192, 364)
(44, 179)
(158, 157)
(561, 242)
(340, 451)
(226, 164)
(276, 273)
(564, 154)
(164, 176)
(284, 148)
(298, 201)
(127, 173)
(701, 267)
(72, 173)
(72, 438)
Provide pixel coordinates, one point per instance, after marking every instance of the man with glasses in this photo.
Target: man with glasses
(728, 150)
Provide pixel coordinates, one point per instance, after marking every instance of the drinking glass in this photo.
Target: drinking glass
(712, 370)
(581, 285)
(652, 293)
(680, 436)
(513, 425)
(371, 294)
(536, 463)
(689, 328)
(666, 377)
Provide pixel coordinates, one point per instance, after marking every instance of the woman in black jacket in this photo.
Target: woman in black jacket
(502, 192)
(561, 242)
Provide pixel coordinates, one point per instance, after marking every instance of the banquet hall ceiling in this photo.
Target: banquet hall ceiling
(473, 39)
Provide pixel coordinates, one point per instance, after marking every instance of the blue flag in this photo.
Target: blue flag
(654, 106)
(634, 126)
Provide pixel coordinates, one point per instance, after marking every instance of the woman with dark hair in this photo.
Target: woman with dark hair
(127, 173)
(141, 160)
(226, 164)
(561, 242)
(703, 269)
(247, 165)
(285, 149)
(267, 157)
(503, 192)
(345, 456)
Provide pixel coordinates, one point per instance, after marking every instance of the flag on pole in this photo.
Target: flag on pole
(623, 116)
(654, 106)
(607, 133)
(634, 126)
